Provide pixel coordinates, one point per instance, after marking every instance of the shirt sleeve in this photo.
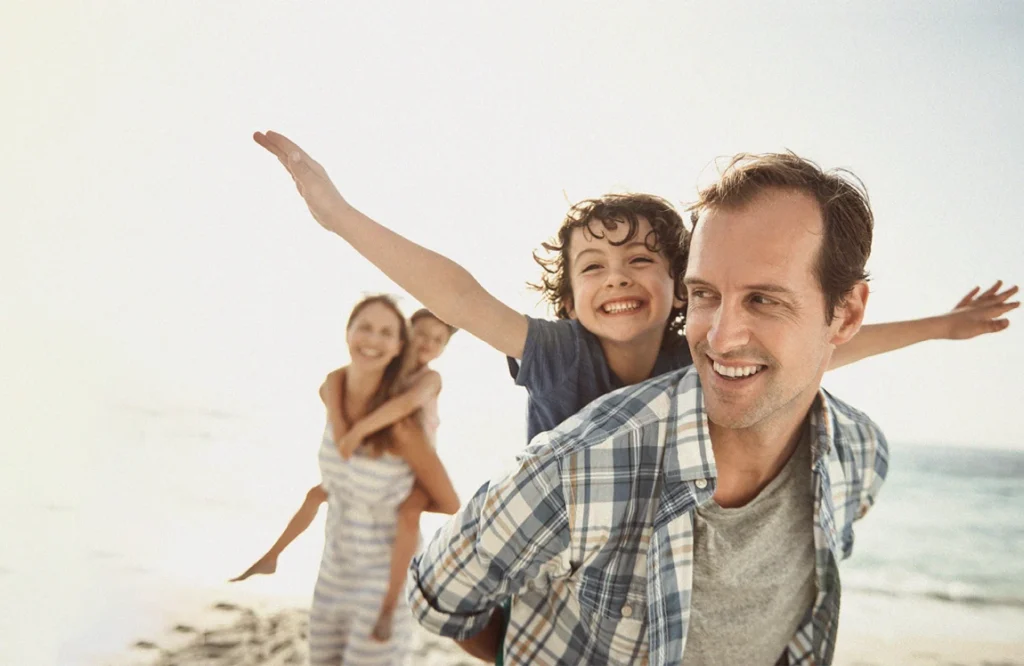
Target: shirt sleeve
(876, 466)
(552, 348)
(511, 528)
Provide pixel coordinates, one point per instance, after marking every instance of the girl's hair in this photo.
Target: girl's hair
(381, 439)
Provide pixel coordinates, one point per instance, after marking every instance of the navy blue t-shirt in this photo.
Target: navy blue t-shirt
(564, 369)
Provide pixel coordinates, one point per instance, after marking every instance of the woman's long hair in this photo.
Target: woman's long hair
(381, 440)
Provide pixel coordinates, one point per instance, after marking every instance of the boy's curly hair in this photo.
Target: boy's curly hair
(668, 236)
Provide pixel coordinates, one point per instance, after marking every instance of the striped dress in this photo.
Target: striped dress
(363, 495)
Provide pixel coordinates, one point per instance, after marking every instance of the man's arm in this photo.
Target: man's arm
(443, 286)
(392, 411)
(496, 544)
(974, 315)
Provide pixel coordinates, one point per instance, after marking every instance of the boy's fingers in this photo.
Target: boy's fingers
(999, 309)
(966, 300)
(992, 290)
(262, 140)
(1002, 296)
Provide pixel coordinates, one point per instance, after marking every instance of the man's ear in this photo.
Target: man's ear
(567, 303)
(850, 315)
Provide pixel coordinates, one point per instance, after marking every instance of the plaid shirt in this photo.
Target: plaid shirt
(592, 532)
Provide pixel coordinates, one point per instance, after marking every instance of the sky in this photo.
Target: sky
(152, 252)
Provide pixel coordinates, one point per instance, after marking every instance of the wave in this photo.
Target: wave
(930, 588)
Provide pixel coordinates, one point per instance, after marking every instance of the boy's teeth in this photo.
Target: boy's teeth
(621, 306)
(729, 371)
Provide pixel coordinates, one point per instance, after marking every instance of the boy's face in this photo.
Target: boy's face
(621, 293)
(756, 313)
(428, 338)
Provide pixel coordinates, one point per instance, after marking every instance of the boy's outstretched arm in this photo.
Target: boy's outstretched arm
(443, 286)
(975, 314)
(392, 411)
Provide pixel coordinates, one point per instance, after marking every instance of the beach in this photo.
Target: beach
(128, 564)
(875, 631)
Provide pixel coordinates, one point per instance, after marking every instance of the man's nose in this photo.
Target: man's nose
(729, 330)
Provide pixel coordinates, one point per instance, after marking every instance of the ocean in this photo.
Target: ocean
(123, 519)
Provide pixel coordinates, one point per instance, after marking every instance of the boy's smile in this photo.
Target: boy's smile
(622, 291)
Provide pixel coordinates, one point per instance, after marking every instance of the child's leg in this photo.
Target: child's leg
(407, 538)
(296, 526)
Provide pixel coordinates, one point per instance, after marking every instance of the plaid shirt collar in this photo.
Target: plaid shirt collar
(690, 479)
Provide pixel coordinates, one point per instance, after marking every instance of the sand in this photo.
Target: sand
(235, 635)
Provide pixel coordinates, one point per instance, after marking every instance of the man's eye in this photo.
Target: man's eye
(698, 293)
(762, 300)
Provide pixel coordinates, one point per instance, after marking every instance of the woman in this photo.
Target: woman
(363, 495)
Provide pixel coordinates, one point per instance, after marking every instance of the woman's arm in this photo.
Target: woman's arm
(331, 392)
(394, 410)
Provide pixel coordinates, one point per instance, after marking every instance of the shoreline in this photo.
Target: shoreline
(875, 630)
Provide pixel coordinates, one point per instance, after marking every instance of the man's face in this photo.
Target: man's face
(756, 313)
(620, 293)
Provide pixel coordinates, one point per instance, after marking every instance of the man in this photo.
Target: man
(698, 517)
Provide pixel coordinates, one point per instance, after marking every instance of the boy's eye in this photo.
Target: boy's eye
(641, 260)
(590, 267)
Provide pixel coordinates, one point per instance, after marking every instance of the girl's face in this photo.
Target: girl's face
(428, 337)
(374, 337)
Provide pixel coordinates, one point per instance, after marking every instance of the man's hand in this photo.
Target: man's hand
(977, 314)
(322, 197)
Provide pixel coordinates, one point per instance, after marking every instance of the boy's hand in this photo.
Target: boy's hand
(322, 197)
(977, 314)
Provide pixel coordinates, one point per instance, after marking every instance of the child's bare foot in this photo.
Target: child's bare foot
(382, 629)
(265, 565)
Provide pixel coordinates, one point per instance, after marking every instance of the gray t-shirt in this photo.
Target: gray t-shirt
(564, 369)
(753, 571)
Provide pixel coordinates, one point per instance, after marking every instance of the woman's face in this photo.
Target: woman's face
(374, 337)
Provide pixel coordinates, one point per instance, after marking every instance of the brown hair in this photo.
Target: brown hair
(423, 312)
(381, 439)
(597, 216)
(845, 211)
